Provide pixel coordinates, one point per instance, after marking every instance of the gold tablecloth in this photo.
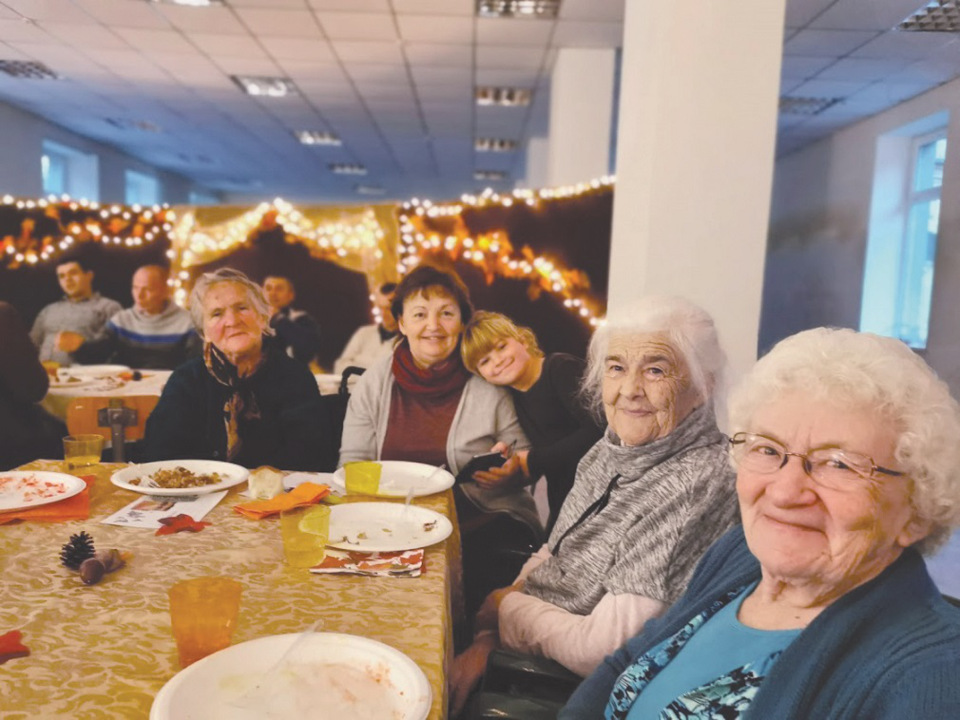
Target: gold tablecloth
(104, 651)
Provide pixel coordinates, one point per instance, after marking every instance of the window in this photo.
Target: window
(203, 197)
(141, 189)
(65, 170)
(902, 240)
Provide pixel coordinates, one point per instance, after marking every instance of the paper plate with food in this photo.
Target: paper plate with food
(95, 371)
(180, 477)
(26, 489)
(65, 380)
(385, 527)
(318, 676)
(397, 478)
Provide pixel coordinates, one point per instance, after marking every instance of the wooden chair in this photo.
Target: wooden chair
(84, 417)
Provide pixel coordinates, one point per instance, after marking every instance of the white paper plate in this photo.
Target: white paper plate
(92, 371)
(59, 384)
(383, 527)
(233, 475)
(398, 477)
(27, 489)
(329, 675)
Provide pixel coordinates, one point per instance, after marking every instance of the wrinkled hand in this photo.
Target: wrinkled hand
(69, 341)
(467, 670)
(488, 616)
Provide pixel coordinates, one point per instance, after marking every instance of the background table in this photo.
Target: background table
(104, 651)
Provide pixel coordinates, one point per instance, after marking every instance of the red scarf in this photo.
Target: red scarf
(445, 377)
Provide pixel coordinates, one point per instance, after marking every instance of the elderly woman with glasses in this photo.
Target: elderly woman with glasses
(648, 499)
(241, 402)
(848, 455)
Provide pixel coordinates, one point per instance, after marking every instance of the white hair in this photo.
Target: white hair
(891, 382)
(228, 275)
(688, 329)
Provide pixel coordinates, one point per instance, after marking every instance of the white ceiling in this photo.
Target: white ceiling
(393, 78)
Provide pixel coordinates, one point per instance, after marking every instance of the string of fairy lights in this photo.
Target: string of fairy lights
(354, 234)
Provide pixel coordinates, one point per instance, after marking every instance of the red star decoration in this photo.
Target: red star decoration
(11, 647)
(177, 523)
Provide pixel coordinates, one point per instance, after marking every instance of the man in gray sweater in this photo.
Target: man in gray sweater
(62, 327)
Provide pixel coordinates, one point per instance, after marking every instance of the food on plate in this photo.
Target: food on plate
(30, 488)
(178, 477)
(428, 526)
(265, 482)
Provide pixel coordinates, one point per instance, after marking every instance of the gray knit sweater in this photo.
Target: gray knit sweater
(674, 498)
(87, 317)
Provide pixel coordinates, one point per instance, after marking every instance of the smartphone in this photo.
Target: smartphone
(486, 461)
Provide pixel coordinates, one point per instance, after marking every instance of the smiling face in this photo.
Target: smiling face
(508, 363)
(647, 390)
(75, 283)
(231, 322)
(802, 532)
(432, 325)
(150, 290)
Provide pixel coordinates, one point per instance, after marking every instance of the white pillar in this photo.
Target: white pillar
(695, 153)
(581, 110)
(538, 154)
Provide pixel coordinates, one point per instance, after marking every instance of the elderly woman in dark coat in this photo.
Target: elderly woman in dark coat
(242, 402)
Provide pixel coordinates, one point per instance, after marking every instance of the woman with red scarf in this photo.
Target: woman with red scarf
(422, 405)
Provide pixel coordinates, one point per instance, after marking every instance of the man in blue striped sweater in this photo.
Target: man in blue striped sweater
(155, 333)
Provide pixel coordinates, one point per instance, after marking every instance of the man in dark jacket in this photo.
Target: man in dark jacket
(298, 334)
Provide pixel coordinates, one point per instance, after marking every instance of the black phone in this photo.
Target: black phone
(480, 462)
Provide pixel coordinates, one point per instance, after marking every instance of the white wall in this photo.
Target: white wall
(819, 224)
(20, 151)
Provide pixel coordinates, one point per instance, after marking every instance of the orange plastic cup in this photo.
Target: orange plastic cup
(203, 613)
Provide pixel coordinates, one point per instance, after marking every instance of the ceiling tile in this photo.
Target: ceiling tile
(43, 10)
(240, 65)
(352, 5)
(302, 49)
(433, 28)
(924, 72)
(280, 23)
(503, 76)
(596, 10)
(513, 31)
(906, 45)
(580, 33)
(22, 31)
(9, 53)
(353, 51)
(835, 43)
(861, 69)
(270, 4)
(220, 20)
(429, 75)
(378, 74)
(435, 7)
(227, 45)
(828, 89)
(318, 72)
(82, 36)
(445, 95)
(357, 26)
(123, 13)
(159, 40)
(443, 55)
(521, 58)
(62, 59)
(866, 14)
(794, 66)
(800, 12)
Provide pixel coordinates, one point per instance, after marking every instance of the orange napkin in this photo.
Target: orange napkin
(11, 647)
(306, 493)
(73, 508)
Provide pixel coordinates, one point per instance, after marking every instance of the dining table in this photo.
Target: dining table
(105, 650)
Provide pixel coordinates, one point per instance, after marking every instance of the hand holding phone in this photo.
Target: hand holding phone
(478, 463)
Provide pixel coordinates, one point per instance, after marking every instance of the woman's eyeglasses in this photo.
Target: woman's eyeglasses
(834, 468)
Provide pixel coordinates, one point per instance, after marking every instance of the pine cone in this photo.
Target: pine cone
(77, 550)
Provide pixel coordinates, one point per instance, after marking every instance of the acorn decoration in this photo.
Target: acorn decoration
(79, 555)
(77, 550)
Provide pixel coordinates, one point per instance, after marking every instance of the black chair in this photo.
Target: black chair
(335, 409)
(523, 687)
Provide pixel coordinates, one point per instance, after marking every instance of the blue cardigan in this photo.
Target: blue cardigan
(889, 648)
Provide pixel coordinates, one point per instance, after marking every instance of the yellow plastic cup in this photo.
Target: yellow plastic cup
(305, 531)
(203, 613)
(82, 450)
(362, 478)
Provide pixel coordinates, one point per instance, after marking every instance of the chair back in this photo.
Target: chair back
(82, 415)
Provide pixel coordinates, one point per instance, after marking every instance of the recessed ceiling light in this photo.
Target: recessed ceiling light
(540, 9)
(317, 137)
(503, 96)
(369, 190)
(192, 3)
(347, 169)
(939, 16)
(489, 175)
(27, 70)
(494, 145)
(806, 105)
(128, 124)
(265, 86)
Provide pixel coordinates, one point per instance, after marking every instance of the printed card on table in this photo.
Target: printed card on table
(147, 510)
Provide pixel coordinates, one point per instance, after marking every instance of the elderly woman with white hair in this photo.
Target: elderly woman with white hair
(648, 499)
(820, 606)
(240, 402)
